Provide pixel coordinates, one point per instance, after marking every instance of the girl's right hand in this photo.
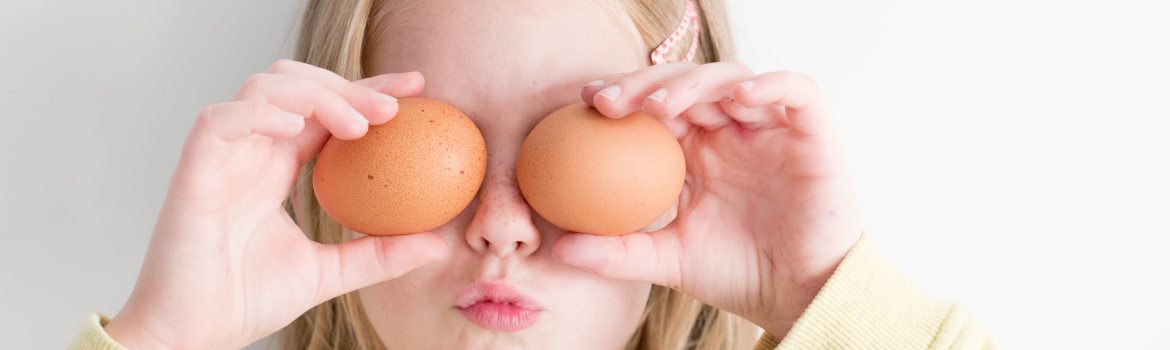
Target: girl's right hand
(226, 265)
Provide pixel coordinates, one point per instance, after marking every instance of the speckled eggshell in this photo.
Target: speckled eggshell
(411, 174)
(584, 172)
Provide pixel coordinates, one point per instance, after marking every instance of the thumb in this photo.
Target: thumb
(650, 257)
(403, 84)
(368, 260)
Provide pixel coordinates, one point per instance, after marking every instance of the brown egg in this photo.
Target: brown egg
(411, 174)
(584, 172)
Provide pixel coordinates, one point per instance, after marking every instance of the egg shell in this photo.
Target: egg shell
(585, 172)
(412, 174)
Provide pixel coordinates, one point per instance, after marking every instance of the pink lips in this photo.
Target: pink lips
(497, 307)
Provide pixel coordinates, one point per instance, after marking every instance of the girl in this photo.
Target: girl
(766, 222)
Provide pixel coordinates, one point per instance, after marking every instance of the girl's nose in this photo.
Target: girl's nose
(502, 224)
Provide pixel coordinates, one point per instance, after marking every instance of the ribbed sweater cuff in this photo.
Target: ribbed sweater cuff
(868, 304)
(93, 335)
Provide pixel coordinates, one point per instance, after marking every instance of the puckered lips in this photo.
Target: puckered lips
(497, 306)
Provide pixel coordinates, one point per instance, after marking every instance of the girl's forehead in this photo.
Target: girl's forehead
(486, 57)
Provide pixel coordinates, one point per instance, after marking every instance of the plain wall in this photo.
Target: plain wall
(1009, 155)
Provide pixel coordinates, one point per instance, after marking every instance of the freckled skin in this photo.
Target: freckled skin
(506, 70)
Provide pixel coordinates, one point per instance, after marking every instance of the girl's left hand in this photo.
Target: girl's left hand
(767, 211)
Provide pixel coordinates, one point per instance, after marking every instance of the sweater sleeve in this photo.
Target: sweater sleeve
(93, 335)
(867, 304)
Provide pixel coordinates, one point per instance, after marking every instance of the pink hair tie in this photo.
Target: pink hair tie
(671, 49)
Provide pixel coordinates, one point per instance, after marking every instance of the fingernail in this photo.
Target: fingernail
(594, 84)
(658, 96)
(611, 92)
(748, 85)
(293, 119)
(678, 127)
(385, 99)
(358, 117)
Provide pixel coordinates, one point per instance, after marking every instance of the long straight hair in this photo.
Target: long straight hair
(334, 34)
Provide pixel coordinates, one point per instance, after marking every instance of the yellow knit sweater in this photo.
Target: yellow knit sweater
(866, 304)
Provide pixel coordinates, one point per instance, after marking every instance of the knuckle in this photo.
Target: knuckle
(686, 81)
(625, 80)
(253, 84)
(304, 84)
(609, 79)
(255, 108)
(798, 78)
(282, 65)
(738, 66)
(354, 89)
(809, 84)
(793, 80)
(208, 116)
(208, 110)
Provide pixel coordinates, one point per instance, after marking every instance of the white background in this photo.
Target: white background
(1010, 155)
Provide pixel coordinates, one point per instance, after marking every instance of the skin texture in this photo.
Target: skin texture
(226, 265)
(766, 183)
(506, 90)
(766, 214)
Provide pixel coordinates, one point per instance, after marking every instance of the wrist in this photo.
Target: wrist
(785, 314)
(133, 335)
(793, 298)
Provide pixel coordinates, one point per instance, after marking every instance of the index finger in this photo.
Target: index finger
(407, 84)
(374, 96)
(394, 84)
(802, 100)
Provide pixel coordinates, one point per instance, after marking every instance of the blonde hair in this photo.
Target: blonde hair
(334, 35)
